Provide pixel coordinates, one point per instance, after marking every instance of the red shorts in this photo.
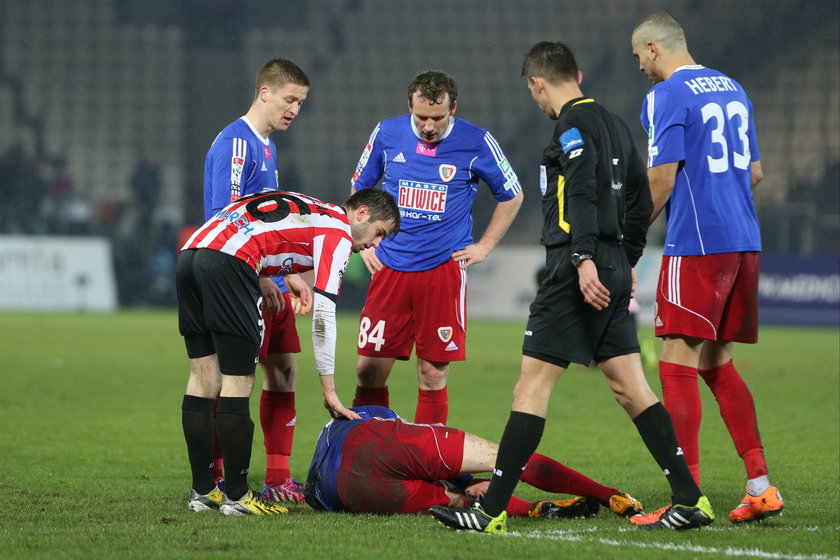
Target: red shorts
(714, 297)
(427, 308)
(280, 336)
(394, 466)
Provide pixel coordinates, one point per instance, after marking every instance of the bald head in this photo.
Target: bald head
(660, 28)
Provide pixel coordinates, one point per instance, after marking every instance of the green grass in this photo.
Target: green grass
(93, 463)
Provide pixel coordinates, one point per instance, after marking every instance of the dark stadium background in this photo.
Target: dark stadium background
(90, 88)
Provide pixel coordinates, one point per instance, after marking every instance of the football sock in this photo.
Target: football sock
(277, 418)
(371, 396)
(657, 431)
(432, 407)
(552, 476)
(236, 434)
(199, 426)
(681, 397)
(757, 486)
(218, 460)
(520, 439)
(737, 409)
(517, 507)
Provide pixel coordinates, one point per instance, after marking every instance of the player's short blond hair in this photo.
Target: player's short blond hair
(661, 28)
(278, 72)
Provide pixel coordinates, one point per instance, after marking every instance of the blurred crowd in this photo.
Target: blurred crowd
(41, 197)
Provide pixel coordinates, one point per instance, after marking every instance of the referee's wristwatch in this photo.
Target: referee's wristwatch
(578, 258)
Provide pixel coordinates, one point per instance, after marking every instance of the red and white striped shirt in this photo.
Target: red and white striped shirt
(282, 233)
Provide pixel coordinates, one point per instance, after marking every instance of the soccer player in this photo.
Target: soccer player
(242, 161)
(596, 205)
(703, 163)
(219, 301)
(383, 464)
(432, 164)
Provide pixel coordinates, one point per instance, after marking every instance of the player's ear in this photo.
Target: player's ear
(580, 77)
(362, 213)
(452, 108)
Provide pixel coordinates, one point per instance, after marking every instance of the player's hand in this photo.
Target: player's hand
(370, 259)
(272, 297)
(331, 401)
(470, 255)
(635, 283)
(300, 294)
(594, 293)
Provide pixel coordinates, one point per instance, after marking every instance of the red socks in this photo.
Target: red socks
(681, 397)
(371, 396)
(737, 409)
(432, 407)
(277, 417)
(547, 474)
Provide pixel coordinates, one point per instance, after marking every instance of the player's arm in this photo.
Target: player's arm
(369, 171)
(579, 161)
(638, 208)
(493, 168)
(323, 345)
(503, 216)
(756, 174)
(662, 179)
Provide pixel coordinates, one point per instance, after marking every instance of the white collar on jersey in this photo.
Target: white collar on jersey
(689, 67)
(445, 134)
(254, 130)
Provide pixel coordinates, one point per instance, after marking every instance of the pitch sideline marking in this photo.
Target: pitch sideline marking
(580, 536)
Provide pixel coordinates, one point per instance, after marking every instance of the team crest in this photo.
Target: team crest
(445, 333)
(447, 171)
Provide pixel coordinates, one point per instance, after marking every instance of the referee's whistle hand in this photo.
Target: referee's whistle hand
(594, 293)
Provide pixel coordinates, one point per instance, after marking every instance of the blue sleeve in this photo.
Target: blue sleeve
(371, 164)
(666, 127)
(223, 171)
(494, 169)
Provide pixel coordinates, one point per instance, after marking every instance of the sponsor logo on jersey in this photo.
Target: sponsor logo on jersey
(575, 153)
(543, 180)
(570, 139)
(426, 149)
(267, 152)
(451, 347)
(362, 162)
(616, 185)
(447, 171)
(400, 158)
(445, 334)
(427, 197)
(236, 166)
(264, 168)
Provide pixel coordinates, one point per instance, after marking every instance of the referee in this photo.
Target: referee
(596, 205)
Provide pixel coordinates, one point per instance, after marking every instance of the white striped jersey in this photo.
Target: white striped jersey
(282, 233)
(434, 185)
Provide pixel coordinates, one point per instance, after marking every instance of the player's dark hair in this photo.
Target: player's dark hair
(551, 61)
(278, 72)
(382, 206)
(432, 85)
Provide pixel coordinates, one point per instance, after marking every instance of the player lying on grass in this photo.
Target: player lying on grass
(383, 464)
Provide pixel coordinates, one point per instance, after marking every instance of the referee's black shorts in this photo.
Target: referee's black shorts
(218, 309)
(562, 328)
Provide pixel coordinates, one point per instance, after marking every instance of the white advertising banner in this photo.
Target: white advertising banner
(504, 285)
(42, 273)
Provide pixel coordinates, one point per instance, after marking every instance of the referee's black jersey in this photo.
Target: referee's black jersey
(594, 183)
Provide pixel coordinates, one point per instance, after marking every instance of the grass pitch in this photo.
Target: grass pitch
(93, 463)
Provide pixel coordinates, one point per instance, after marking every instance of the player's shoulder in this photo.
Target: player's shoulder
(466, 129)
(395, 124)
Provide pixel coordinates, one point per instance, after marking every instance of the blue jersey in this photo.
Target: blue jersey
(321, 489)
(434, 185)
(239, 163)
(704, 120)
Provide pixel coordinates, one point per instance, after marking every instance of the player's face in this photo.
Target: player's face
(282, 104)
(369, 234)
(647, 64)
(431, 119)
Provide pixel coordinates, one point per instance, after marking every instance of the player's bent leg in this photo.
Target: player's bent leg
(628, 384)
(372, 381)
(432, 395)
